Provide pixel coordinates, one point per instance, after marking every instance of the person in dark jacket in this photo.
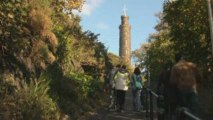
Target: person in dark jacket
(184, 76)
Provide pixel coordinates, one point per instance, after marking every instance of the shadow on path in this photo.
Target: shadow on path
(128, 114)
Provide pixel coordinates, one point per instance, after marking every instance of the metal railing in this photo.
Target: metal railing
(149, 102)
(182, 113)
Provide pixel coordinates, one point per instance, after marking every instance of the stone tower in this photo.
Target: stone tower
(124, 39)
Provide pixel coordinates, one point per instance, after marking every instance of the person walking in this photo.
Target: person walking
(184, 76)
(112, 91)
(121, 86)
(136, 83)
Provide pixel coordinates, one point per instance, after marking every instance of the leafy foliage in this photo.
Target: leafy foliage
(26, 37)
(191, 36)
(158, 52)
(190, 30)
(77, 73)
(30, 102)
(33, 49)
(183, 28)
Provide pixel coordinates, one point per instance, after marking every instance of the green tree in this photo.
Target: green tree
(157, 52)
(188, 20)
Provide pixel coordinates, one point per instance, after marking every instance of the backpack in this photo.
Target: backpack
(137, 81)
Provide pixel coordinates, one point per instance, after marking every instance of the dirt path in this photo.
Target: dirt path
(128, 114)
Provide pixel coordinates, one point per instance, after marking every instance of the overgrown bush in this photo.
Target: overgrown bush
(29, 103)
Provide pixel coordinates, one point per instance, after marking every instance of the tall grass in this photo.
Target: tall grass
(31, 102)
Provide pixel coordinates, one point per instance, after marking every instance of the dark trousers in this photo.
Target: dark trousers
(120, 101)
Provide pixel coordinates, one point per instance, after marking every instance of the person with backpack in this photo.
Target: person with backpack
(121, 86)
(136, 83)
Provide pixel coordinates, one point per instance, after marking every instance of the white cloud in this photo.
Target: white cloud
(89, 6)
(102, 26)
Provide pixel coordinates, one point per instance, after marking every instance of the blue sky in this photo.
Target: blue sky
(104, 17)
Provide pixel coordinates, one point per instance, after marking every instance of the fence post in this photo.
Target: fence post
(147, 102)
(161, 108)
(151, 105)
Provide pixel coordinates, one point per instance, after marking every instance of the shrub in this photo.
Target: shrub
(29, 103)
